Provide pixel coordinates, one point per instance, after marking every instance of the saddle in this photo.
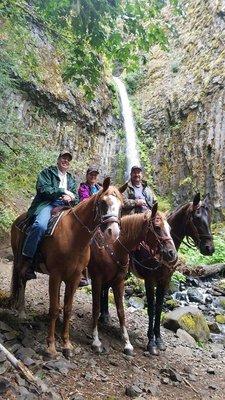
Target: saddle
(57, 213)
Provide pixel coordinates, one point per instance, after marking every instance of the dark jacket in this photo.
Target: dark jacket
(130, 206)
(48, 190)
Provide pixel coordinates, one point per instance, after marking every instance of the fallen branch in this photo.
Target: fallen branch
(26, 373)
(203, 271)
(190, 385)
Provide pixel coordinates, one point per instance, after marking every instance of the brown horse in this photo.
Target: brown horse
(66, 253)
(108, 265)
(192, 220)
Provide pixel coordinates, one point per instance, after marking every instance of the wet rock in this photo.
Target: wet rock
(133, 391)
(88, 376)
(214, 327)
(190, 319)
(210, 371)
(136, 302)
(181, 296)
(62, 366)
(194, 295)
(129, 291)
(190, 281)
(171, 304)
(3, 368)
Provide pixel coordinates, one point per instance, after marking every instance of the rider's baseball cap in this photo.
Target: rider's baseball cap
(66, 152)
(136, 167)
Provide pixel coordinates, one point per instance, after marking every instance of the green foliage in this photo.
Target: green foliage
(87, 35)
(193, 257)
(164, 203)
(178, 277)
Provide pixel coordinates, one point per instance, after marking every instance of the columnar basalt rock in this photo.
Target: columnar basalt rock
(183, 104)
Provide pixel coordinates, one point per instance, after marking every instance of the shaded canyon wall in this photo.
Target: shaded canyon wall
(183, 105)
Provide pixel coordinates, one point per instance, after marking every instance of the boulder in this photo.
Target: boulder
(189, 319)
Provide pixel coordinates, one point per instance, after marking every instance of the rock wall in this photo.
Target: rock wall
(43, 101)
(183, 104)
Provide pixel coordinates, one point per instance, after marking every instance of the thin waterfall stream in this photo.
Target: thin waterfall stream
(132, 156)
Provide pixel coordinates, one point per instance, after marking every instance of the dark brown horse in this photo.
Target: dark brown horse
(66, 253)
(108, 265)
(191, 220)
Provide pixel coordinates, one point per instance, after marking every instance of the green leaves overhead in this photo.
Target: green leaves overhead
(91, 35)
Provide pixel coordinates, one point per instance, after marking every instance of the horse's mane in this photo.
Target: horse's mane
(178, 209)
(111, 190)
(132, 225)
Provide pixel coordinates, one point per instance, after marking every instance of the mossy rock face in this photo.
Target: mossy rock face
(220, 319)
(171, 304)
(189, 319)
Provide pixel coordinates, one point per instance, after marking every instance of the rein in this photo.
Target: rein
(104, 219)
(195, 243)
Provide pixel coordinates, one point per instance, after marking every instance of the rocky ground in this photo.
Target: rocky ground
(184, 371)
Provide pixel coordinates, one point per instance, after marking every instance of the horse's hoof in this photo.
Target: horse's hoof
(67, 353)
(104, 319)
(98, 349)
(128, 352)
(152, 348)
(51, 354)
(160, 344)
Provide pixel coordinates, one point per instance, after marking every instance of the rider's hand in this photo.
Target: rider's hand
(66, 198)
(140, 202)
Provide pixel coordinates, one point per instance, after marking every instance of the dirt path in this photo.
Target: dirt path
(199, 372)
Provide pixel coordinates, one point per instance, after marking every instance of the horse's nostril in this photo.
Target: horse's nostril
(110, 232)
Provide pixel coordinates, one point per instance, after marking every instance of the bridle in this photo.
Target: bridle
(191, 242)
(152, 252)
(103, 219)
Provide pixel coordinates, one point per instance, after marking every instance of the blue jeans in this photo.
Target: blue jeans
(38, 229)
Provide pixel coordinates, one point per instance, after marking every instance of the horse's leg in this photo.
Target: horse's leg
(20, 305)
(118, 291)
(150, 294)
(54, 288)
(160, 293)
(104, 305)
(96, 293)
(70, 289)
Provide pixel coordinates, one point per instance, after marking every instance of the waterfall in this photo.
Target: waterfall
(132, 156)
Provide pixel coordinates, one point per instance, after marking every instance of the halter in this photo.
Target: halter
(104, 219)
(151, 252)
(195, 243)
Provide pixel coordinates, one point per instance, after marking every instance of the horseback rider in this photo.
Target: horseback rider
(87, 189)
(55, 187)
(138, 197)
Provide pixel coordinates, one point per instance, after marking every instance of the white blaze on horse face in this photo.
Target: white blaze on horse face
(113, 230)
(113, 204)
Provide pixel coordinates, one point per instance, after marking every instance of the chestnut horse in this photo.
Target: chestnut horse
(192, 220)
(66, 253)
(108, 265)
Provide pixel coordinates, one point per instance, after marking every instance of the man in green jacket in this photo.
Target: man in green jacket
(55, 187)
(138, 197)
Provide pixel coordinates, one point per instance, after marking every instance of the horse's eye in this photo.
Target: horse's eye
(104, 207)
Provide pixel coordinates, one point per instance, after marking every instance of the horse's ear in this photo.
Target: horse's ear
(206, 200)
(196, 200)
(123, 187)
(154, 209)
(106, 183)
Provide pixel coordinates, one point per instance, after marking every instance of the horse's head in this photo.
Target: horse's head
(199, 224)
(158, 237)
(109, 202)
